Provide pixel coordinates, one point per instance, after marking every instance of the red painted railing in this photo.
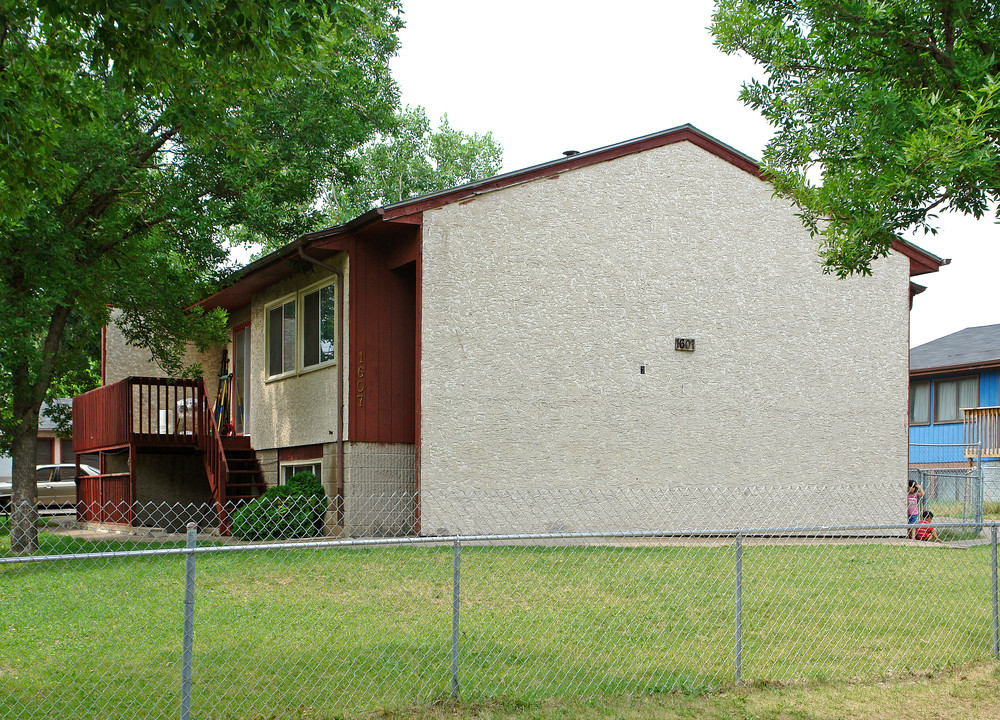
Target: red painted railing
(144, 411)
(140, 410)
(210, 441)
(105, 498)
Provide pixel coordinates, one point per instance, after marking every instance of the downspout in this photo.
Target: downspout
(341, 360)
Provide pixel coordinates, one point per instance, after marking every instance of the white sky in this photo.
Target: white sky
(546, 76)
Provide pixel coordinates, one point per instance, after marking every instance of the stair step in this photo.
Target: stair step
(236, 442)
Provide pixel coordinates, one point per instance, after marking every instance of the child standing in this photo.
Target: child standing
(913, 495)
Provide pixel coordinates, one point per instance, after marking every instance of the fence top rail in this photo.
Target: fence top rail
(965, 445)
(512, 537)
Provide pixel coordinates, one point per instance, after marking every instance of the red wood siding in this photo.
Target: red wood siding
(302, 452)
(382, 342)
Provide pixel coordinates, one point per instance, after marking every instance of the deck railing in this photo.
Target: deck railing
(140, 410)
(982, 430)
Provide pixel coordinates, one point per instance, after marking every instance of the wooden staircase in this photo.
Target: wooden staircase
(245, 480)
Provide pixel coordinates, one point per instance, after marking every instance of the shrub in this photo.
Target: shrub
(293, 510)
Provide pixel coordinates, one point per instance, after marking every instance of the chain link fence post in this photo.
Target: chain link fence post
(188, 651)
(738, 654)
(996, 626)
(454, 618)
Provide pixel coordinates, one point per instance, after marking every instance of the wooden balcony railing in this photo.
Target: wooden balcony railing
(140, 410)
(162, 412)
(982, 430)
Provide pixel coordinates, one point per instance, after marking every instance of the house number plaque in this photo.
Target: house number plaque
(686, 344)
(360, 386)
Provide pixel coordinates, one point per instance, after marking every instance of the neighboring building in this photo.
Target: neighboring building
(954, 398)
(51, 449)
(643, 317)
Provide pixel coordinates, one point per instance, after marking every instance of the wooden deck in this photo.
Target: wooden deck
(982, 430)
(157, 413)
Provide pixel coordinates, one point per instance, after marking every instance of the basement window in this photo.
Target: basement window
(289, 469)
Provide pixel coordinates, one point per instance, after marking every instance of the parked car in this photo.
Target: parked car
(56, 485)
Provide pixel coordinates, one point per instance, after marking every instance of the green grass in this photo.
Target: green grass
(330, 633)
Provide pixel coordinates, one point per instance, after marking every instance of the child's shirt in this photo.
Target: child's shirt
(924, 533)
(912, 504)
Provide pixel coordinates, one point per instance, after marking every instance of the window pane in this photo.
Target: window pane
(945, 401)
(920, 395)
(310, 329)
(274, 341)
(288, 470)
(968, 394)
(319, 324)
(288, 336)
(328, 323)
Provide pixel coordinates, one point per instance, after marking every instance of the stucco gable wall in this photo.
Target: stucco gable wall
(541, 301)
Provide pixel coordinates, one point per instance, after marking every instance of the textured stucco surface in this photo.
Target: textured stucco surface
(300, 409)
(541, 301)
(123, 360)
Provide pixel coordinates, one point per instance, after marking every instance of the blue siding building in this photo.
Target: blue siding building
(955, 396)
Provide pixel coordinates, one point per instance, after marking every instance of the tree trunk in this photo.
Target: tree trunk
(26, 401)
(24, 500)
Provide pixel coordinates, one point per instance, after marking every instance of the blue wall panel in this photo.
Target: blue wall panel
(989, 388)
(951, 433)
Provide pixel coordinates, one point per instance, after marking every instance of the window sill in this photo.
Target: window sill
(298, 373)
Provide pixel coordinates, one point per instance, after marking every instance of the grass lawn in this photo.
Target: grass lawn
(340, 633)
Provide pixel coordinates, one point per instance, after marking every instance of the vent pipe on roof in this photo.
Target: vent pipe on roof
(571, 153)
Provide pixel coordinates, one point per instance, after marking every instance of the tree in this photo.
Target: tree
(886, 112)
(412, 159)
(135, 140)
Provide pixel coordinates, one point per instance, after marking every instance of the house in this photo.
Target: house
(537, 351)
(51, 449)
(955, 403)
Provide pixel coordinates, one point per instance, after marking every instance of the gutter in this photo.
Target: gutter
(952, 369)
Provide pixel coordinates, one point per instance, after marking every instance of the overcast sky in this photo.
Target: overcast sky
(546, 76)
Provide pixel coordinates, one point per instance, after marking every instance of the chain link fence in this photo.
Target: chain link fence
(278, 611)
(952, 478)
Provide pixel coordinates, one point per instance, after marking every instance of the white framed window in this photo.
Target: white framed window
(319, 325)
(920, 402)
(281, 338)
(301, 331)
(951, 395)
(290, 468)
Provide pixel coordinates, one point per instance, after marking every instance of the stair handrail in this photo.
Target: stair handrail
(216, 465)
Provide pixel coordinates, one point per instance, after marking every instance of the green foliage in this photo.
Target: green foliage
(293, 510)
(305, 483)
(136, 139)
(412, 159)
(885, 112)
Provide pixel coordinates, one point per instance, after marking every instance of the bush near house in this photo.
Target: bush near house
(292, 510)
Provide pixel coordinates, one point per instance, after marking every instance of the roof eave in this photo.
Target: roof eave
(952, 369)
